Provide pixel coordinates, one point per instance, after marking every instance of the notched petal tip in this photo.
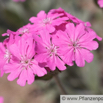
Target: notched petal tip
(99, 38)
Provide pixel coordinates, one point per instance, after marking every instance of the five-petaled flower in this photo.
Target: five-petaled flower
(23, 65)
(48, 52)
(48, 21)
(75, 44)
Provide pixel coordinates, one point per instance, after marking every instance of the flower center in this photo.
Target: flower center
(7, 54)
(25, 62)
(46, 21)
(24, 30)
(52, 50)
(75, 44)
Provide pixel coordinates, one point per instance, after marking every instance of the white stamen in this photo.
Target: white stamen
(7, 54)
(24, 30)
(46, 21)
(25, 62)
(52, 50)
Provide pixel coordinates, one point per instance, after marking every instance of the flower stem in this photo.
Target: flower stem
(57, 80)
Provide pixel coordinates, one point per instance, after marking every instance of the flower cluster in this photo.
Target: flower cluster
(51, 40)
(100, 3)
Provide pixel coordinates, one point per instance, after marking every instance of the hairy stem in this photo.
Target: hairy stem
(57, 80)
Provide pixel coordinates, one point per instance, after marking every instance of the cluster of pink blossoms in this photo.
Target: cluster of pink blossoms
(100, 3)
(51, 40)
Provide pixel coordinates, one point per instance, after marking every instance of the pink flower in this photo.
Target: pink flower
(100, 3)
(48, 52)
(1, 99)
(23, 65)
(51, 41)
(19, 0)
(70, 17)
(25, 31)
(88, 29)
(8, 33)
(12, 37)
(75, 44)
(5, 57)
(47, 21)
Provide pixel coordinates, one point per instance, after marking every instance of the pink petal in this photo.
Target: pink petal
(22, 78)
(88, 24)
(37, 26)
(99, 38)
(51, 63)
(30, 76)
(41, 15)
(40, 48)
(88, 37)
(45, 36)
(79, 31)
(37, 38)
(41, 57)
(39, 71)
(25, 48)
(59, 21)
(2, 48)
(13, 38)
(79, 59)
(1, 72)
(50, 28)
(23, 45)
(14, 74)
(62, 38)
(87, 55)
(68, 56)
(92, 45)
(100, 3)
(53, 16)
(60, 64)
(1, 99)
(15, 51)
(30, 49)
(11, 67)
(56, 41)
(2, 61)
(33, 19)
(70, 28)
(64, 48)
